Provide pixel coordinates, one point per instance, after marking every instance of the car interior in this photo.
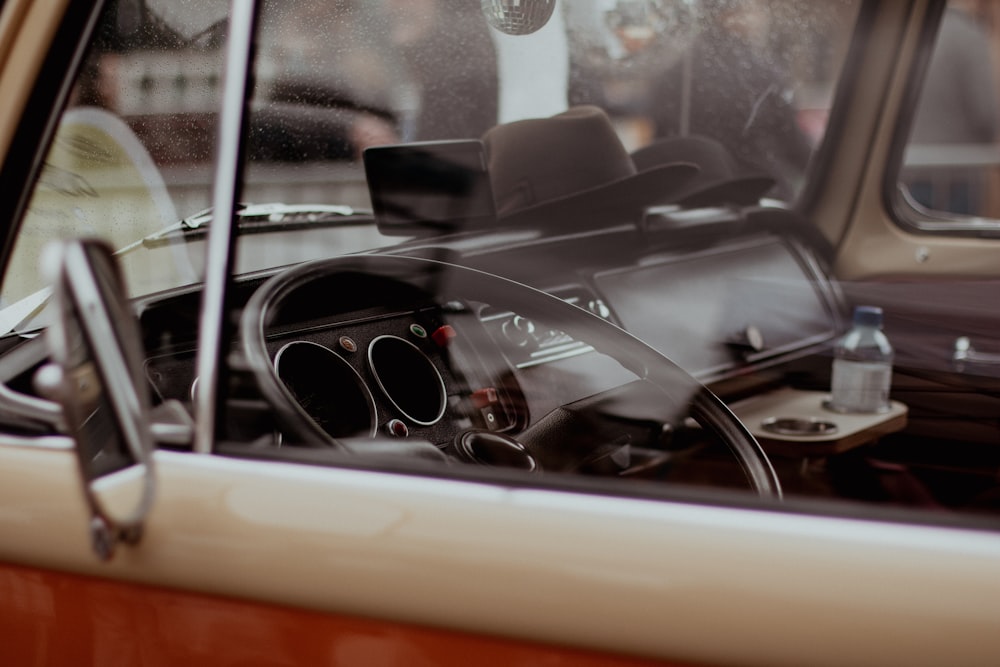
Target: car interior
(680, 350)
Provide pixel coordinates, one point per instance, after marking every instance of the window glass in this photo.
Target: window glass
(335, 78)
(133, 151)
(384, 122)
(950, 166)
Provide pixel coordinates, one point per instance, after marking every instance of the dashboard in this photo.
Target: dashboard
(396, 348)
(363, 356)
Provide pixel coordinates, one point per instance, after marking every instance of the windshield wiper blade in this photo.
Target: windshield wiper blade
(261, 217)
(251, 218)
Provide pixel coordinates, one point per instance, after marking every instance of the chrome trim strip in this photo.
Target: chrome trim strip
(30, 406)
(56, 442)
(557, 349)
(567, 354)
(220, 249)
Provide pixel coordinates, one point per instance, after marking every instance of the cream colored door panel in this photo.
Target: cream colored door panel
(530, 563)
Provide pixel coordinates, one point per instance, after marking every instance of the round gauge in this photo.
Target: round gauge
(327, 388)
(408, 378)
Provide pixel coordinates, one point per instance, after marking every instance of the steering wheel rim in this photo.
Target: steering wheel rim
(446, 281)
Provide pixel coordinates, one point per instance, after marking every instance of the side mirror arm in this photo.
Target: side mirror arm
(95, 374)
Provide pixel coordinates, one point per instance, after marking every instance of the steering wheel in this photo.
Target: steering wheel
(410, 280)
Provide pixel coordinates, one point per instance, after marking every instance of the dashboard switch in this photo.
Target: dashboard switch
(397, 428)
(443, 335)
(484, 397)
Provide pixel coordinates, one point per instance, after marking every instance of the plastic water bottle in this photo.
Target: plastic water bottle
(862, 365)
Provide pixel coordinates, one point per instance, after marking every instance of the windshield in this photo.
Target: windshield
(134, 152)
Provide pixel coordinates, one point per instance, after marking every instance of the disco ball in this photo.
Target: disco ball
(518, 17)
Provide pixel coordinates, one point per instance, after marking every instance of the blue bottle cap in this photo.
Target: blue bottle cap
(868, 316)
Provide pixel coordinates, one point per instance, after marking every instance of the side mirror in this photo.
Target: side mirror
(95, 374)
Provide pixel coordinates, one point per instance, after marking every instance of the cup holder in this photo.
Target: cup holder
(799, 426)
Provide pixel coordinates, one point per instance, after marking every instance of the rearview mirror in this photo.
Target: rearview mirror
(95, 374)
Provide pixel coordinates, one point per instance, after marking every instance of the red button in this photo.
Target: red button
(484, 397)
(397, 428)
(443, 335)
